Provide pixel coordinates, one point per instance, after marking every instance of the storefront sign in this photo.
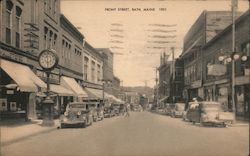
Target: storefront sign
(242, 80)
(216, 69)
(10, 92)
(13, 56)
(53, 77)
(196, 84)
(91, 85)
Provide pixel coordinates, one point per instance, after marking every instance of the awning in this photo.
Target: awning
(60, 90)
(26, 80)
(71, 83)
(94, 93)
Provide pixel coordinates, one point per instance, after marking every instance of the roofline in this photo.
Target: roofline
(228, 28)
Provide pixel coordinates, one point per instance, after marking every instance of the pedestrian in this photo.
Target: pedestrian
(126, 111)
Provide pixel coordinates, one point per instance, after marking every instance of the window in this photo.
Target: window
(63, 43)
(93, 71)
(98, 72)
(18, 26)
(9, 6)
(86, 62)
(54, 43)
(45, 37)
(69, 53)
(50, 38)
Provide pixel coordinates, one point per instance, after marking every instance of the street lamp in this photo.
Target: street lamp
(231, 59)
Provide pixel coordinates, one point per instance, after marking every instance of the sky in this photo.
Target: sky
(138, 37)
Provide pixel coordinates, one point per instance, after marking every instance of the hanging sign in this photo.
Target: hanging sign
(216, 69)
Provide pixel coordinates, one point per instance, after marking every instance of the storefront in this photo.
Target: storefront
(242, 97)
(19, 86)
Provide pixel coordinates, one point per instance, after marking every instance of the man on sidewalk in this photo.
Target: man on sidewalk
(126, 111)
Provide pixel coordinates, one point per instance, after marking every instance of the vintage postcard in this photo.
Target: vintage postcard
(124, 77)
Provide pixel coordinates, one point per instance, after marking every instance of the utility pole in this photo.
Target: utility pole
(234, 4)
(156, 85)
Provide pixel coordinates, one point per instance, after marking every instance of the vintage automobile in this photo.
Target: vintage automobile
(168, 108)
(192, 113)
(178, 110)
(99, 110)
(108, 112)
(116, 108)
(122, 109)
(76, 114)
(213, 115)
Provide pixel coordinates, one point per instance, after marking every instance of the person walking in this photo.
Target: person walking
(126, 111)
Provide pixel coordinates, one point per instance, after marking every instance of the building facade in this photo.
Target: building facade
(108, 73)
(208, 24)
(217, 86)
(27, 28)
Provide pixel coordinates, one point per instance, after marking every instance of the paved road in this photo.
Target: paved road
(142, 134)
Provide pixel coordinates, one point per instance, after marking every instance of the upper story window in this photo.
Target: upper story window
(9, 7)
(54, 42)
(85, 68)
(50, 38)
(46, 30)
(18, 26)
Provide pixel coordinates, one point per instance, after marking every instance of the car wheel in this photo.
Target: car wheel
(83, 125)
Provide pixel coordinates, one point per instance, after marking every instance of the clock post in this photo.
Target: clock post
(48, 60)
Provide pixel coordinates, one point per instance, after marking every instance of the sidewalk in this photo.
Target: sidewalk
(16, 131)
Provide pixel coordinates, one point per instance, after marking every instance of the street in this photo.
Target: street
(141, 134)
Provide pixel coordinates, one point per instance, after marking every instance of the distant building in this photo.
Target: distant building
(108, 73)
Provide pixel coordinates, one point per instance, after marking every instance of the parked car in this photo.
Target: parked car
(99, 110)
(212, 114)
(122, 109)
(108, 112)
(116, 108)
(168, 108)
(77, 113)
(178, 110)
(192, 113)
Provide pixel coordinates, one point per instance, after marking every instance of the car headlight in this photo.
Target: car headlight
(66, 113)
(79, 113)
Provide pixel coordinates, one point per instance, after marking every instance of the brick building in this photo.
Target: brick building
(208, 24)
(218, 87)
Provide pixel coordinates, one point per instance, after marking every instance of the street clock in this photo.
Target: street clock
(48, 59)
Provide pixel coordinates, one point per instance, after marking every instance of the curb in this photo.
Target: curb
(6, 143)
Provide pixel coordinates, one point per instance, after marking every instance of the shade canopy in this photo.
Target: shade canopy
(61, 91)
(71, 84)
(23, 76)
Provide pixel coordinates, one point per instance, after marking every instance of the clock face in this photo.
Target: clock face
(47, 59)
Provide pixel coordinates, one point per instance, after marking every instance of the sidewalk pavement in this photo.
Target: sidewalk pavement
(11, 132)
